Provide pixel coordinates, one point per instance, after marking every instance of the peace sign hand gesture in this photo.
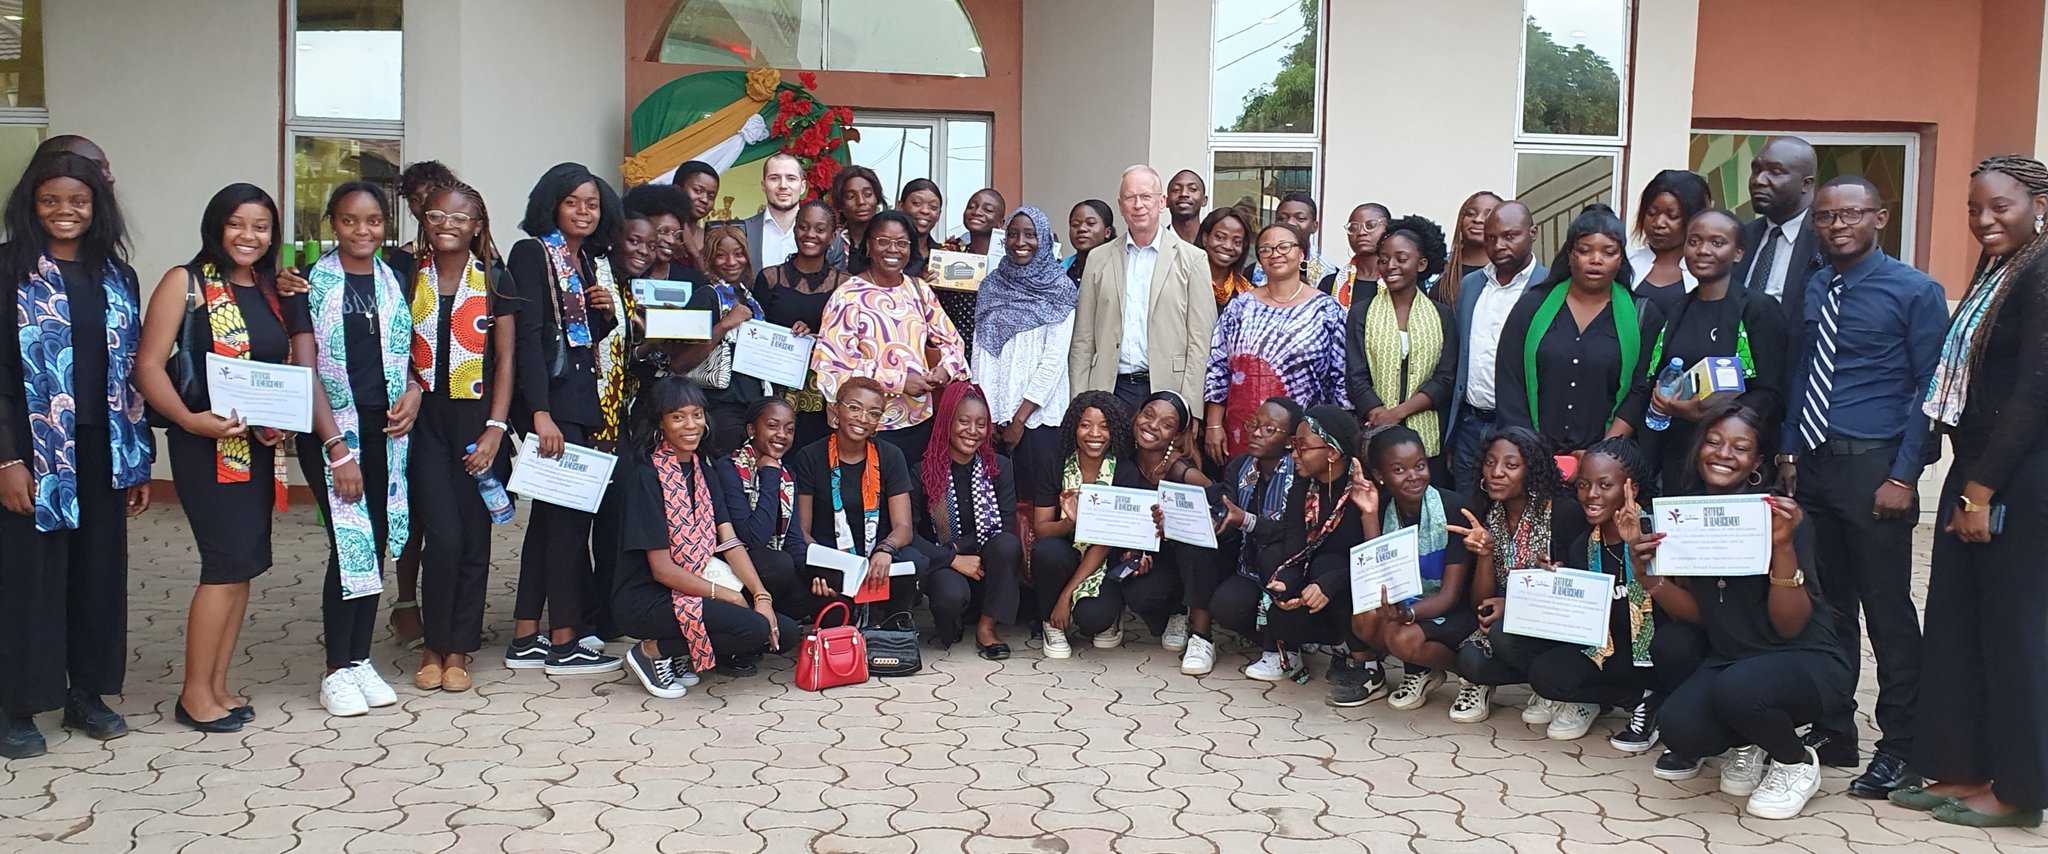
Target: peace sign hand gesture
(1478, 540)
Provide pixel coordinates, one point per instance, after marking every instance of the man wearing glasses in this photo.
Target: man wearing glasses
(1852, 448)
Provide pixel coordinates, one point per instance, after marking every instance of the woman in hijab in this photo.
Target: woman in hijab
(1026, 318)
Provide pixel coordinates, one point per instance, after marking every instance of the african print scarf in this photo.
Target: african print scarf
(987, 518)
(1230, 287)
(1070, 480)
(870, 499)
(1345, 288)
(355, 539)
(749, 466)
(1431, 538)
(468, 327)
(686, 503)
(233, 456)
(1527, 544)
(615, 383)
(43, 315)
(1963, 347)
(1278, 484)
(1642, 626)
(569, 280)
(1397, 374)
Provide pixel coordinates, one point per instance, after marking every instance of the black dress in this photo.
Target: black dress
(1701, 328)
(781, 290)
(231, 521)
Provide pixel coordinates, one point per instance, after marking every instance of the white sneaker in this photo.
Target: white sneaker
(341, 697)
(1538, 711)
(1175, 638)
(1200, 657)
(1741, 770)
(1110, 639)
(1271, 667)
(1055, 645)
(1474, 703)
(1414, 689)
(376, 691)
(1572, 721)
(1786, 788)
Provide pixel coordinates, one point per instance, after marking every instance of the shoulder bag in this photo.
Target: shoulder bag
(195, 336)
(832, 657)
(892, 646)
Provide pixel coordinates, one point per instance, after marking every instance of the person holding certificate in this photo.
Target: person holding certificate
(363, 356)
(760, 494)
(678, 546)
(969, 527)
(1255, 486)
(853, 495)
(1095, 450)
(560, 272)
(1424, 632)
(793, 294)
(65, 564)
(1163, 455)
(1772, 663)
(222, 466)
(724, 294)
(463, 331)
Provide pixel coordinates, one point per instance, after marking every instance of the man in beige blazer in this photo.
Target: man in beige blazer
(1147, 313)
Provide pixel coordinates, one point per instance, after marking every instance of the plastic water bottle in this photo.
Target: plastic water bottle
(1668, 383)
(495, 500)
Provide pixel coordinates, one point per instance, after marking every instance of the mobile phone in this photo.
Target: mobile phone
(1997, 519)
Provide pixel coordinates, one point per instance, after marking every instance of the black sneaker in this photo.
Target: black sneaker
(1835, 751)
(1672, 766)
(657, 675)
(738, 669)
(579, 660)
(528, 653)
(1342, 670)
(22, 740)
(1365, 685)
(1641, 732)
(1886, 773)
(89, 714)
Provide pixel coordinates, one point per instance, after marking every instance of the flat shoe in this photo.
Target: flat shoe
(995, 651)
(224, 723)
(430, 678)
(244, 714)
(1918, 798)
(1957, 813)
(455, 679)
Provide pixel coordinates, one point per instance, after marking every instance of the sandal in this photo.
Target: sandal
(995, 651)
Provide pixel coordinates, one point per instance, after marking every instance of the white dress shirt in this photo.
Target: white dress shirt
(1033, 367)
(1642, 258)
(776, 244)
(1781, 262)
(1489, 316)
(1138, 263)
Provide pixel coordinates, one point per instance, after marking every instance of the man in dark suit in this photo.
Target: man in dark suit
(771, 234)
(1485, 297)
(1781, 184)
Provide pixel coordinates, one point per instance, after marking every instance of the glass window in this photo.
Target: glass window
(1891, 161)
(892, 36)
(321, 163)
(966, 169)
(1556, 185)
(18, 144)
(1573, 58)
(21, 53)
(953, 151)
(1262, 75)
(1254, 181)
(897, 153)
(348, 59)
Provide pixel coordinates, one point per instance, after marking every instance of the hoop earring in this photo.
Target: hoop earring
(1756, 477)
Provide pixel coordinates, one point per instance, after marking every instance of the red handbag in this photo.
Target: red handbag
(832, 657)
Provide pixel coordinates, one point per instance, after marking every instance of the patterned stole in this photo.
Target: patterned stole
(686, 502)
(569, 280)
(468, 329)
(748, 465)
(1642, 625)
(43, 315)
(614, 371)
(355, 538)
(230, 339)
(1070, 480)
(1383, 355)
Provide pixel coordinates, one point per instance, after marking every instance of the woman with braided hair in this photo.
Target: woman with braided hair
(1400, 346)
(1987, 602)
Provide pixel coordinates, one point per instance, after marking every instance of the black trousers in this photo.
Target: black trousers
(1566, 674)
(555, 571)
(956, 599)
(779, 575)
(64, 594)
(729, 421)
(1761, 700)
(349, 624)
(1498, 658)
(605, 534)
(911, 441)
(1132, 389)
(1866, 563)
(1987, 625)
(738, 634)
(1053, 562)
(1293, 628)
(454, 529)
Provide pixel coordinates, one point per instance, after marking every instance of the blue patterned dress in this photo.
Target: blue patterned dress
(1261, 351)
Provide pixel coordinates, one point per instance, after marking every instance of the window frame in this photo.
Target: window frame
(1626, 72)
(32, 116)
(1315, 170)
(824, 26)
(941, 169)
(1237, 139)
(1910, 196)
(296, 126)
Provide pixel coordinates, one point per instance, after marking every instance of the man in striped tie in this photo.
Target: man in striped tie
(1853, 445)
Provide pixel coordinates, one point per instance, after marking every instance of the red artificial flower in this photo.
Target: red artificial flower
(809, 80)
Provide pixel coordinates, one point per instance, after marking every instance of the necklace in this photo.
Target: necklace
(1165, 460)
(1299, 287)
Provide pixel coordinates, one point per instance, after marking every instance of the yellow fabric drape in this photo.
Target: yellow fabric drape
(676, 148)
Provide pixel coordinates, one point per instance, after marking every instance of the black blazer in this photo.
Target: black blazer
(1358, 374)
(1806, 258)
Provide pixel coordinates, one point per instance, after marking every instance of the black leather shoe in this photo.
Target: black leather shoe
(1836, 751)
(244, 714)
(224, 723)
(89, 714)
(739, 669)
(1887, 772)
(22, 740)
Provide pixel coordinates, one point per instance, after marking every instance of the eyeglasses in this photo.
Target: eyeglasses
(1267, 429)
(889, 242)
(455, 219)
(1363, 227)
(870, 416)
(1269, 250)
(1311, 447)
(667, 233)
(1845, 216)
(1140, 198)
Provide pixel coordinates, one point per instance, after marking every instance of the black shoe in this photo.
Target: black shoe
(89, 714)
(1835, 751)
(244, 714)
(528, 653)
(22, 740)
(575, 659)
(1674, 766)
(1641, 732)
(738, 669)
(224, 723)
(1887, 772)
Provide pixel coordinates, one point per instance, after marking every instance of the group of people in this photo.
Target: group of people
(1507, 409)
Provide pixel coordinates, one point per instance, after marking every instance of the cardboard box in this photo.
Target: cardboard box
(1714, 378)
(957, 271)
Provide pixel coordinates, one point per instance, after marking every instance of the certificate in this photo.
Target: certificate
(772, 353)
(1115, 516)
(1568, 605)
(1393, 562)
(575, 481)
(262, 393)
(692, 324)
(852, 568)
(661, 293)
(1186, 512)
(1713, 535)
(957, 271)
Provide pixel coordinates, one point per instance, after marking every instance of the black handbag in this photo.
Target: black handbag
(195, 336)
(892, 646)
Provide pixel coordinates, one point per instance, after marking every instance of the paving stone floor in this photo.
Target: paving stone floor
(1108, 751)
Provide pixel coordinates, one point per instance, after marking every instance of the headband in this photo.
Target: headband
(1316, 427)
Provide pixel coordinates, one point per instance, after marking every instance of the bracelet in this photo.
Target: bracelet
(1899, 483)
(885, 547)
(9, 464)
(1214, 427)
(1251, 520)
(502, 426)
(1968, 506)
(763, 596)
(330, 443)
(335, 464)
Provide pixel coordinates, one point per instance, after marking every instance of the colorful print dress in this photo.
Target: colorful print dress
(1261, 351)
(886, 333)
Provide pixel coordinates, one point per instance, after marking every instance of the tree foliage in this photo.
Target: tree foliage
(1291, 97)
(1568, 90)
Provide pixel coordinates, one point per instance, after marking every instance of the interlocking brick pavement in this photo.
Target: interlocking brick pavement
(1108, 751)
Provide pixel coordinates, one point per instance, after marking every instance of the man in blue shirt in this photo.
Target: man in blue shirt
(1854, 443)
